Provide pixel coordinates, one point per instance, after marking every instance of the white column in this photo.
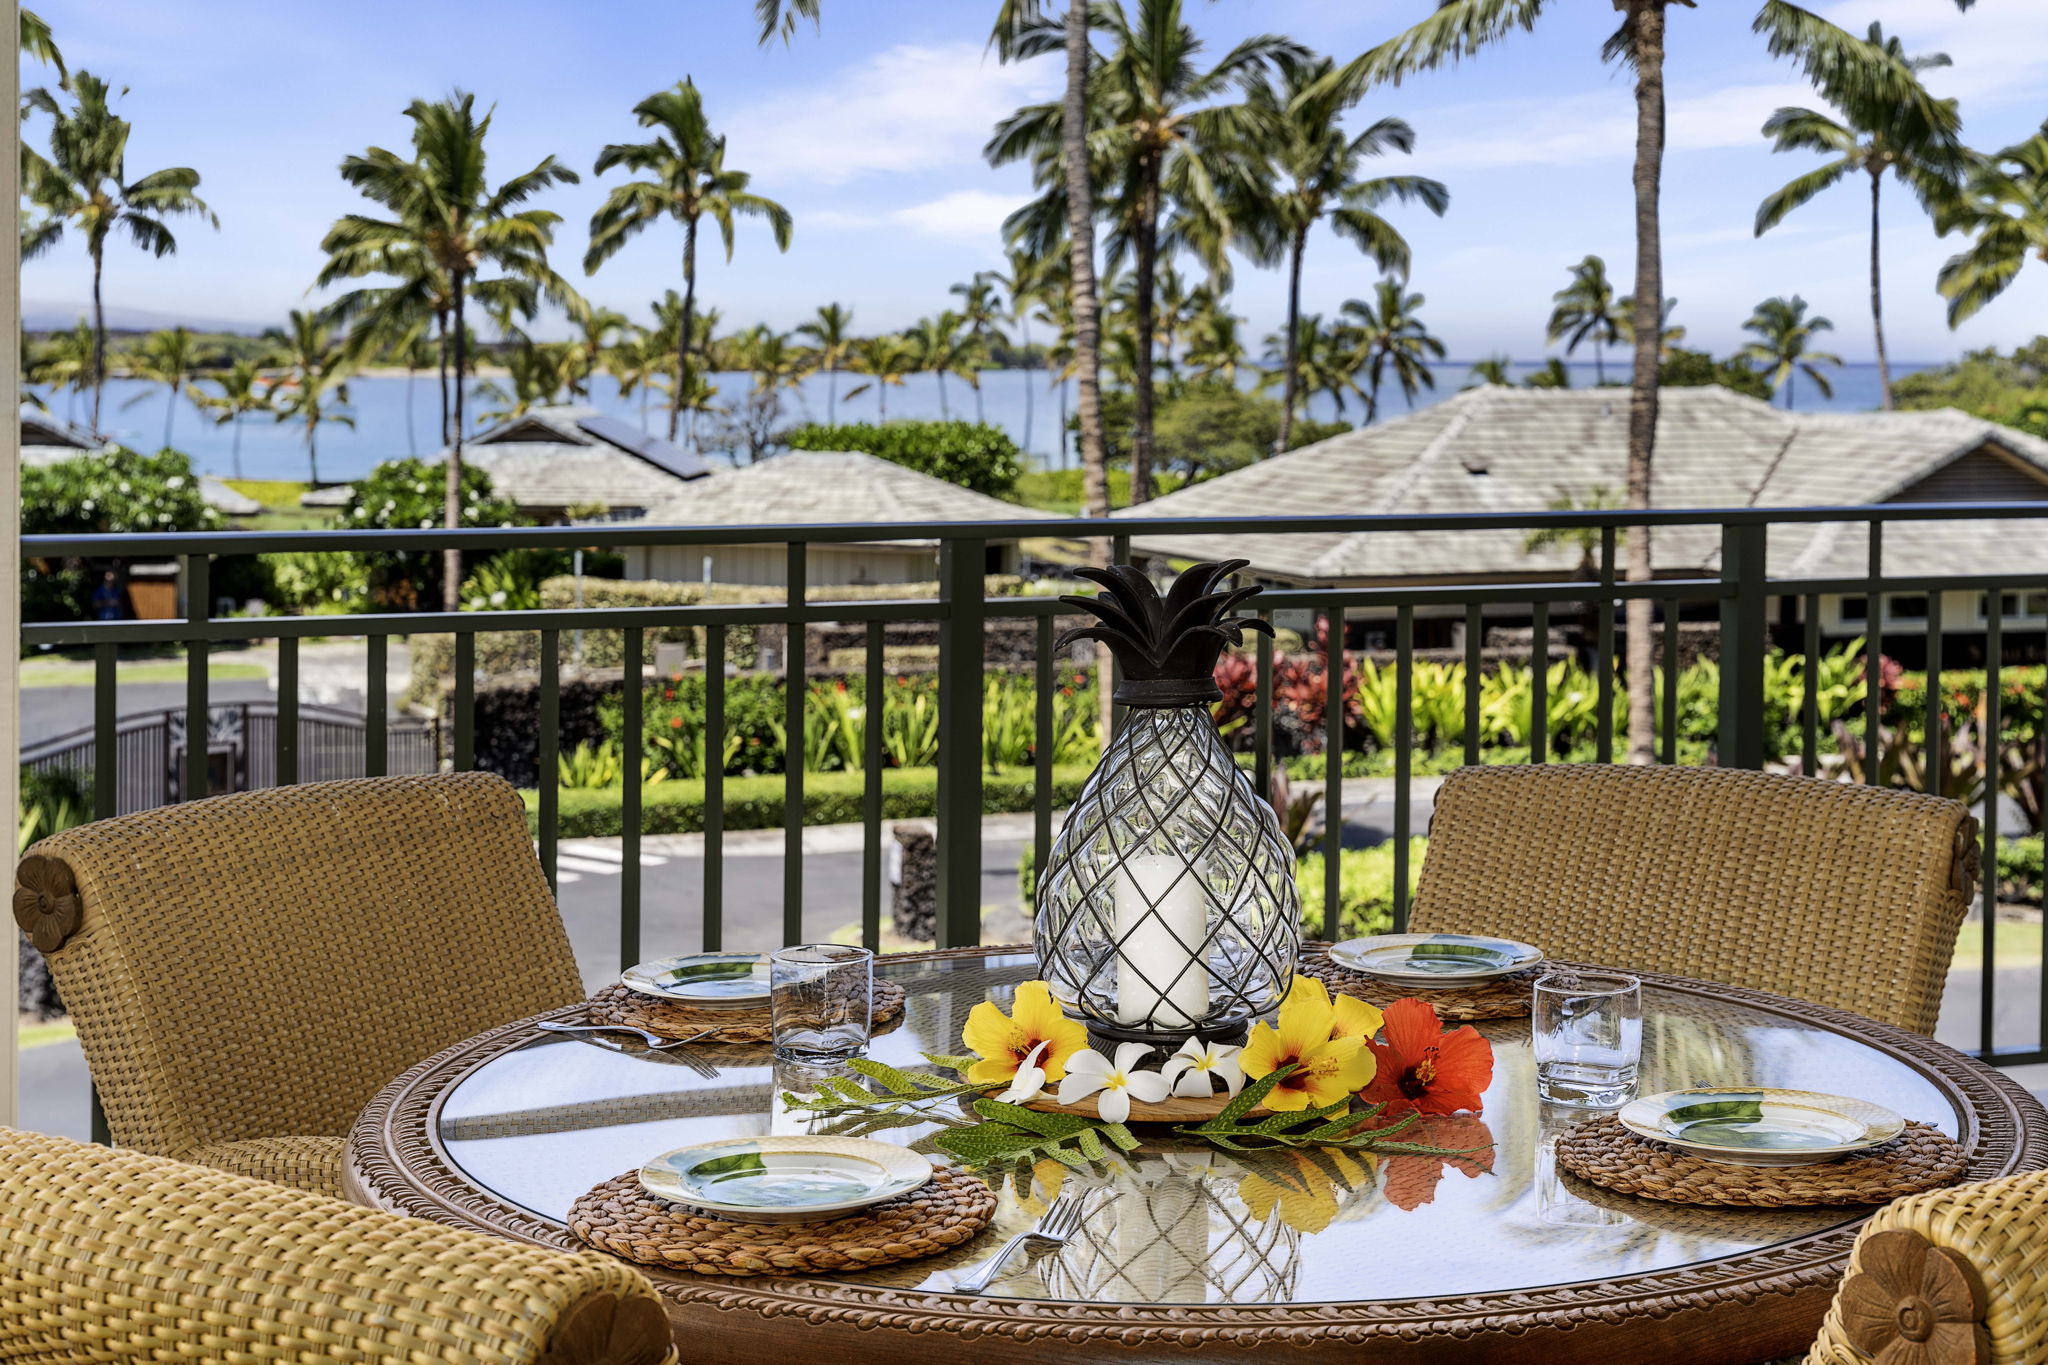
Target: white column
(10, 546)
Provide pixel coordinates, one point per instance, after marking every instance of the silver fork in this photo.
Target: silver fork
(1061, 1220)
(654, 1041)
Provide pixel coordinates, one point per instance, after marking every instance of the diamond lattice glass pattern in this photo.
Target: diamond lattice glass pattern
(1168, 904)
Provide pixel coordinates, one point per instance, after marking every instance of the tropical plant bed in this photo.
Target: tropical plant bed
(836, 798)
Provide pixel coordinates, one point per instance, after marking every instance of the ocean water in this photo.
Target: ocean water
(395, 417)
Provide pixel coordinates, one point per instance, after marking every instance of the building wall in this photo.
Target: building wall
(1984, 475)
(768, 565)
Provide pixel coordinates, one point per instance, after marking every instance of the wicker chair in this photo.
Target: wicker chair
(118, 1256)
(246, 972)
(1846, 896)
(1963, 1272)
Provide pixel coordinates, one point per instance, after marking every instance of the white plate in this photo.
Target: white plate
(712, 981)
(1434, 960)
(784, 1179)
(1760, 1126)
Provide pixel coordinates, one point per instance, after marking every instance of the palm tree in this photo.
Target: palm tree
(1873, 136)
(1492, 370)
(632, 361)
(981, 308)
(1322, 362)
(1783, 331)
(1668, 334)
(37, 44)
(1215, 351)
(164, 358)
(243, 390)
(943, 346)
(687, 179)
(447, 228)
(1029, 280)
(831, 331)
(2006, 210)
(413, 352)
(1586, 311)
(64, 361)
(1832, 59)
(769, 357)
(319, 370)
(1386, 331)
(1316, 172)
(538, 372)
(84, 183)
(885, 360)
(594, 337)
(1554, 375)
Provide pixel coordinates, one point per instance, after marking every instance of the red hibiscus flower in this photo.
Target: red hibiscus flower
(1425, 1069)
(1412, 1180)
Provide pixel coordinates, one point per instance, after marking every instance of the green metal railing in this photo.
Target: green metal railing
(1740, 596)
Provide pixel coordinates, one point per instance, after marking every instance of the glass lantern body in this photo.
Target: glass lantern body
(1168, 907)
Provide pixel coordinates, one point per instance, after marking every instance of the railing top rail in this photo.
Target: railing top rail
(633, 534)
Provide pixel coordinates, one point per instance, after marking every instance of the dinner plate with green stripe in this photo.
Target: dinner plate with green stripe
(1434, 961)
(1759, 1126)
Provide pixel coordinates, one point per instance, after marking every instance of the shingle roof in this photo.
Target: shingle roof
(1497, 449)
(568, 456)
(829, 487)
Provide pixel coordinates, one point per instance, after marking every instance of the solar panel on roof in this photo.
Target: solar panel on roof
(623, 434)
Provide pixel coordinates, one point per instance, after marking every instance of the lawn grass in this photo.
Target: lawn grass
(35, 1035)
(275, 494)
(2015, 942)
(67, 673)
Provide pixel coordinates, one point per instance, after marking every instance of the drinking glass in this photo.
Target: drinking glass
(1586, 1030)
(821, 999)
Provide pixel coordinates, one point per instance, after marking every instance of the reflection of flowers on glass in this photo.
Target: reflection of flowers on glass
(1005, 1042)
(1304, 1189)
(1329, 1062)
(46, 903)
(1202, 1065)
(1412, 1180)
(1910, 1301)
(1423, 1068)
(1116, 1082)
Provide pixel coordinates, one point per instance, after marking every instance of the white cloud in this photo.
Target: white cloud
(967, 214)
(1996, 47)
(1596, 127)
(911, 108)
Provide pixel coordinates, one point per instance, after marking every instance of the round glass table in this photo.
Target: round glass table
(1187, 1250)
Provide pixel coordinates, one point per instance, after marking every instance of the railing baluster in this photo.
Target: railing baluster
(1262, 710)
(961, 688)
(198, 591)
(1475, 636)
(1119, 553)
(1809, 701)
(1333, 773)
(287, 737)
(1873, 658)
(1994, 699)
(106, 731)
(1934, 724)
(1404, 754)
(376, 747)
(1671, 671)
(1041, 801)
(714, 788)
(464, 703)
(1539, 683)
(632, 754)
(871, 789)
(794, 648)
(549, 776)
(1603, 649)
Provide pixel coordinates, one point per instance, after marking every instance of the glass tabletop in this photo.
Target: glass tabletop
(1178, 1223)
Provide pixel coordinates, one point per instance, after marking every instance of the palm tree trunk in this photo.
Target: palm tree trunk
(1790, 380)
(675, 408)
(235, 449)
(1024, 330)
(441, 366)
(412, 442)
(313, 445)
(1648, 18)
(1148, 274)
(978, 414)
(170, 412)
(945, 413)
(451, 558)
(1081, 286)
(1884, 369)
(832, 394)
(1599, 362)
(1293, 334)
(99, 343)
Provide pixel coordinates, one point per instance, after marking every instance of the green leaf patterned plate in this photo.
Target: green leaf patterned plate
(1434, 960)
(1759, 1126)
(712, 981)
(784, 1179)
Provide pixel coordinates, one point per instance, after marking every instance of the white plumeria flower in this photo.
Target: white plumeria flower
(1118, 1082)
(1203, 1064)
(1029, 1082)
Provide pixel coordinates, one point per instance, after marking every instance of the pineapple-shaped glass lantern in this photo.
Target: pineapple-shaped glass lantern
(1167, 908)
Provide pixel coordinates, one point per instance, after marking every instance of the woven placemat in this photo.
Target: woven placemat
(1609, 1155)
(1505, 997)
(623, 1219)
(617, 1005)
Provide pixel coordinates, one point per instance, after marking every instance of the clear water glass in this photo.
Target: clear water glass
(821, 998)
(1586, 1029)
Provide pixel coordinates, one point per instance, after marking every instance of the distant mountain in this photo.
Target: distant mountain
(45, 315)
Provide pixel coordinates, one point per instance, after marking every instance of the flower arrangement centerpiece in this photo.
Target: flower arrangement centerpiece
(1167, 910)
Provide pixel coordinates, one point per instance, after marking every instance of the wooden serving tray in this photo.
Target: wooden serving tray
(1172, 1109)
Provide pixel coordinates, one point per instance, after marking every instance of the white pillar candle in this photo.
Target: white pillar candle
(1161, 918)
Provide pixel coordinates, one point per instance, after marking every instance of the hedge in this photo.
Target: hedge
(757, 802)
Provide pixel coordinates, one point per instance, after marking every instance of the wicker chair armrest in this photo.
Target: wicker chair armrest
(118, 1256)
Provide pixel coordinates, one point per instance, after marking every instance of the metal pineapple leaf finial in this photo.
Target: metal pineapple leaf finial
(1167, 646)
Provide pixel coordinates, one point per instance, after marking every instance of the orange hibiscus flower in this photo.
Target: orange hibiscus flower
(1412, 1180)
(1425, 1069)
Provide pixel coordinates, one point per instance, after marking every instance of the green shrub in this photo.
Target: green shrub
(1365, 884)
(976, 455)
(757, 802)
(411, 494)
(2019, 868)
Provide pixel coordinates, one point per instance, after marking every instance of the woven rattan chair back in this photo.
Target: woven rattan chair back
(1847, 896)
(126, 1258)
(259, 965)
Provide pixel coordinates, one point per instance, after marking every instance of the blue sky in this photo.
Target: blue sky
(871, 132)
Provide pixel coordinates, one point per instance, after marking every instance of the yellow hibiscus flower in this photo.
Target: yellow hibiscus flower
(1330, 1059)
(1003, 1042)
